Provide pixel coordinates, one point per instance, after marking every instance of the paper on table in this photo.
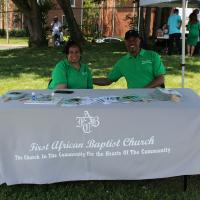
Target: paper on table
(165, 94)
(44, 99)
(15, 95)
(76, 101)
(107, 99)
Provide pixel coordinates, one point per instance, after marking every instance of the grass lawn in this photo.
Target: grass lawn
(14, 41)
(31, 69)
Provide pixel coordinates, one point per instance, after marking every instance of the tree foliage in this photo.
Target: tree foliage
(74, 29)
(35, 12)
(90, 18)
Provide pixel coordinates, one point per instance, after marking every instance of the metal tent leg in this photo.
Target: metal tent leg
(185, 181)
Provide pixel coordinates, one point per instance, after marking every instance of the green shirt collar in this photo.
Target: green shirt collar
(142, 51)
(70, 65)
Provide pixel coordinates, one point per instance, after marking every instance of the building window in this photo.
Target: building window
(64, 22)
(73, 3)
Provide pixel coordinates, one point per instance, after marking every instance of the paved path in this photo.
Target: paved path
(12, 46)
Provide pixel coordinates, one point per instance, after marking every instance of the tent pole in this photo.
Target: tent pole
(7, 22)
(139, 16)
(183, 41)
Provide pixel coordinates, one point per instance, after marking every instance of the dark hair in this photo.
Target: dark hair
(176, 11)
(71, 44)
(196, 11)
(193, 18)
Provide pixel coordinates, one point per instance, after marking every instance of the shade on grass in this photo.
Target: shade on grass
(31, 68)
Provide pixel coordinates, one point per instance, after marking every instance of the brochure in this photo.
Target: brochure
(107, 99)
(166, 95)
(134, 98)
(44, 99)
(77, 101)
(12, 95)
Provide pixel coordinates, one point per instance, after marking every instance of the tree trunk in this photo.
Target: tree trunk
(74, 29)
(33, 18)
(157, 22)
(142, 29)
(147, 22)
(165, 14)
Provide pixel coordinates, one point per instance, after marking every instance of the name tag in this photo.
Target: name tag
(146, 62)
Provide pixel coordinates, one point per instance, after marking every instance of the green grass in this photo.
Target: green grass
(31, 69)
(14, 41)
(158, 189)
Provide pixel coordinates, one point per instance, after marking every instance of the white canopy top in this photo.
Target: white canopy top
(169, 3)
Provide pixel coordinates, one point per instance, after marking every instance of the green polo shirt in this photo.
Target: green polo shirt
(138, 71)
(65, 73)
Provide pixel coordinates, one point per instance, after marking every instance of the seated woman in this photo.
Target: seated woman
(161, 38)
(165, 29)
(71, 73)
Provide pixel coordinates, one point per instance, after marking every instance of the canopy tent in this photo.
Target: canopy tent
(175, 3)
(169, 3)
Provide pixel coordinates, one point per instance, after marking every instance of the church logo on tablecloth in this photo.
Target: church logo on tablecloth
(87, 122)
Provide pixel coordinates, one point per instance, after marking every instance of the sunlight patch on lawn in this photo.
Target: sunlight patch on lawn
(20, 41)
(119, 53)
(23, 82)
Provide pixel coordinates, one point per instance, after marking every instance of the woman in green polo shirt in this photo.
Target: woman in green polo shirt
(71, 73)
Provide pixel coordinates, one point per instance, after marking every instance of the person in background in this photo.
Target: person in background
(141, 68)
(193, 27)
(174, 25)
(197, 48)
(196, 11)
(56, 26)
(71, 73)
(165, 29)
(162, 38)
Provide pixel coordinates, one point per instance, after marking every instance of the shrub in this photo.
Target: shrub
(2, 32)
(18, 33)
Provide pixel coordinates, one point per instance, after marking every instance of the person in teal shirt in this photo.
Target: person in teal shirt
(174, 24)
(70, 73)
(141, 68)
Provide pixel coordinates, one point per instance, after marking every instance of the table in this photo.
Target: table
(164, 37)
(46, 144)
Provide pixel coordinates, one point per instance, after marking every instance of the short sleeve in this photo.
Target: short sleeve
(158, 67)
(59, 75)
(115, 73)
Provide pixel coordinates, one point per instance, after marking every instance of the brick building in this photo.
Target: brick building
(114, 17)
(15, 18)
(117, 16)
(77, 6)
